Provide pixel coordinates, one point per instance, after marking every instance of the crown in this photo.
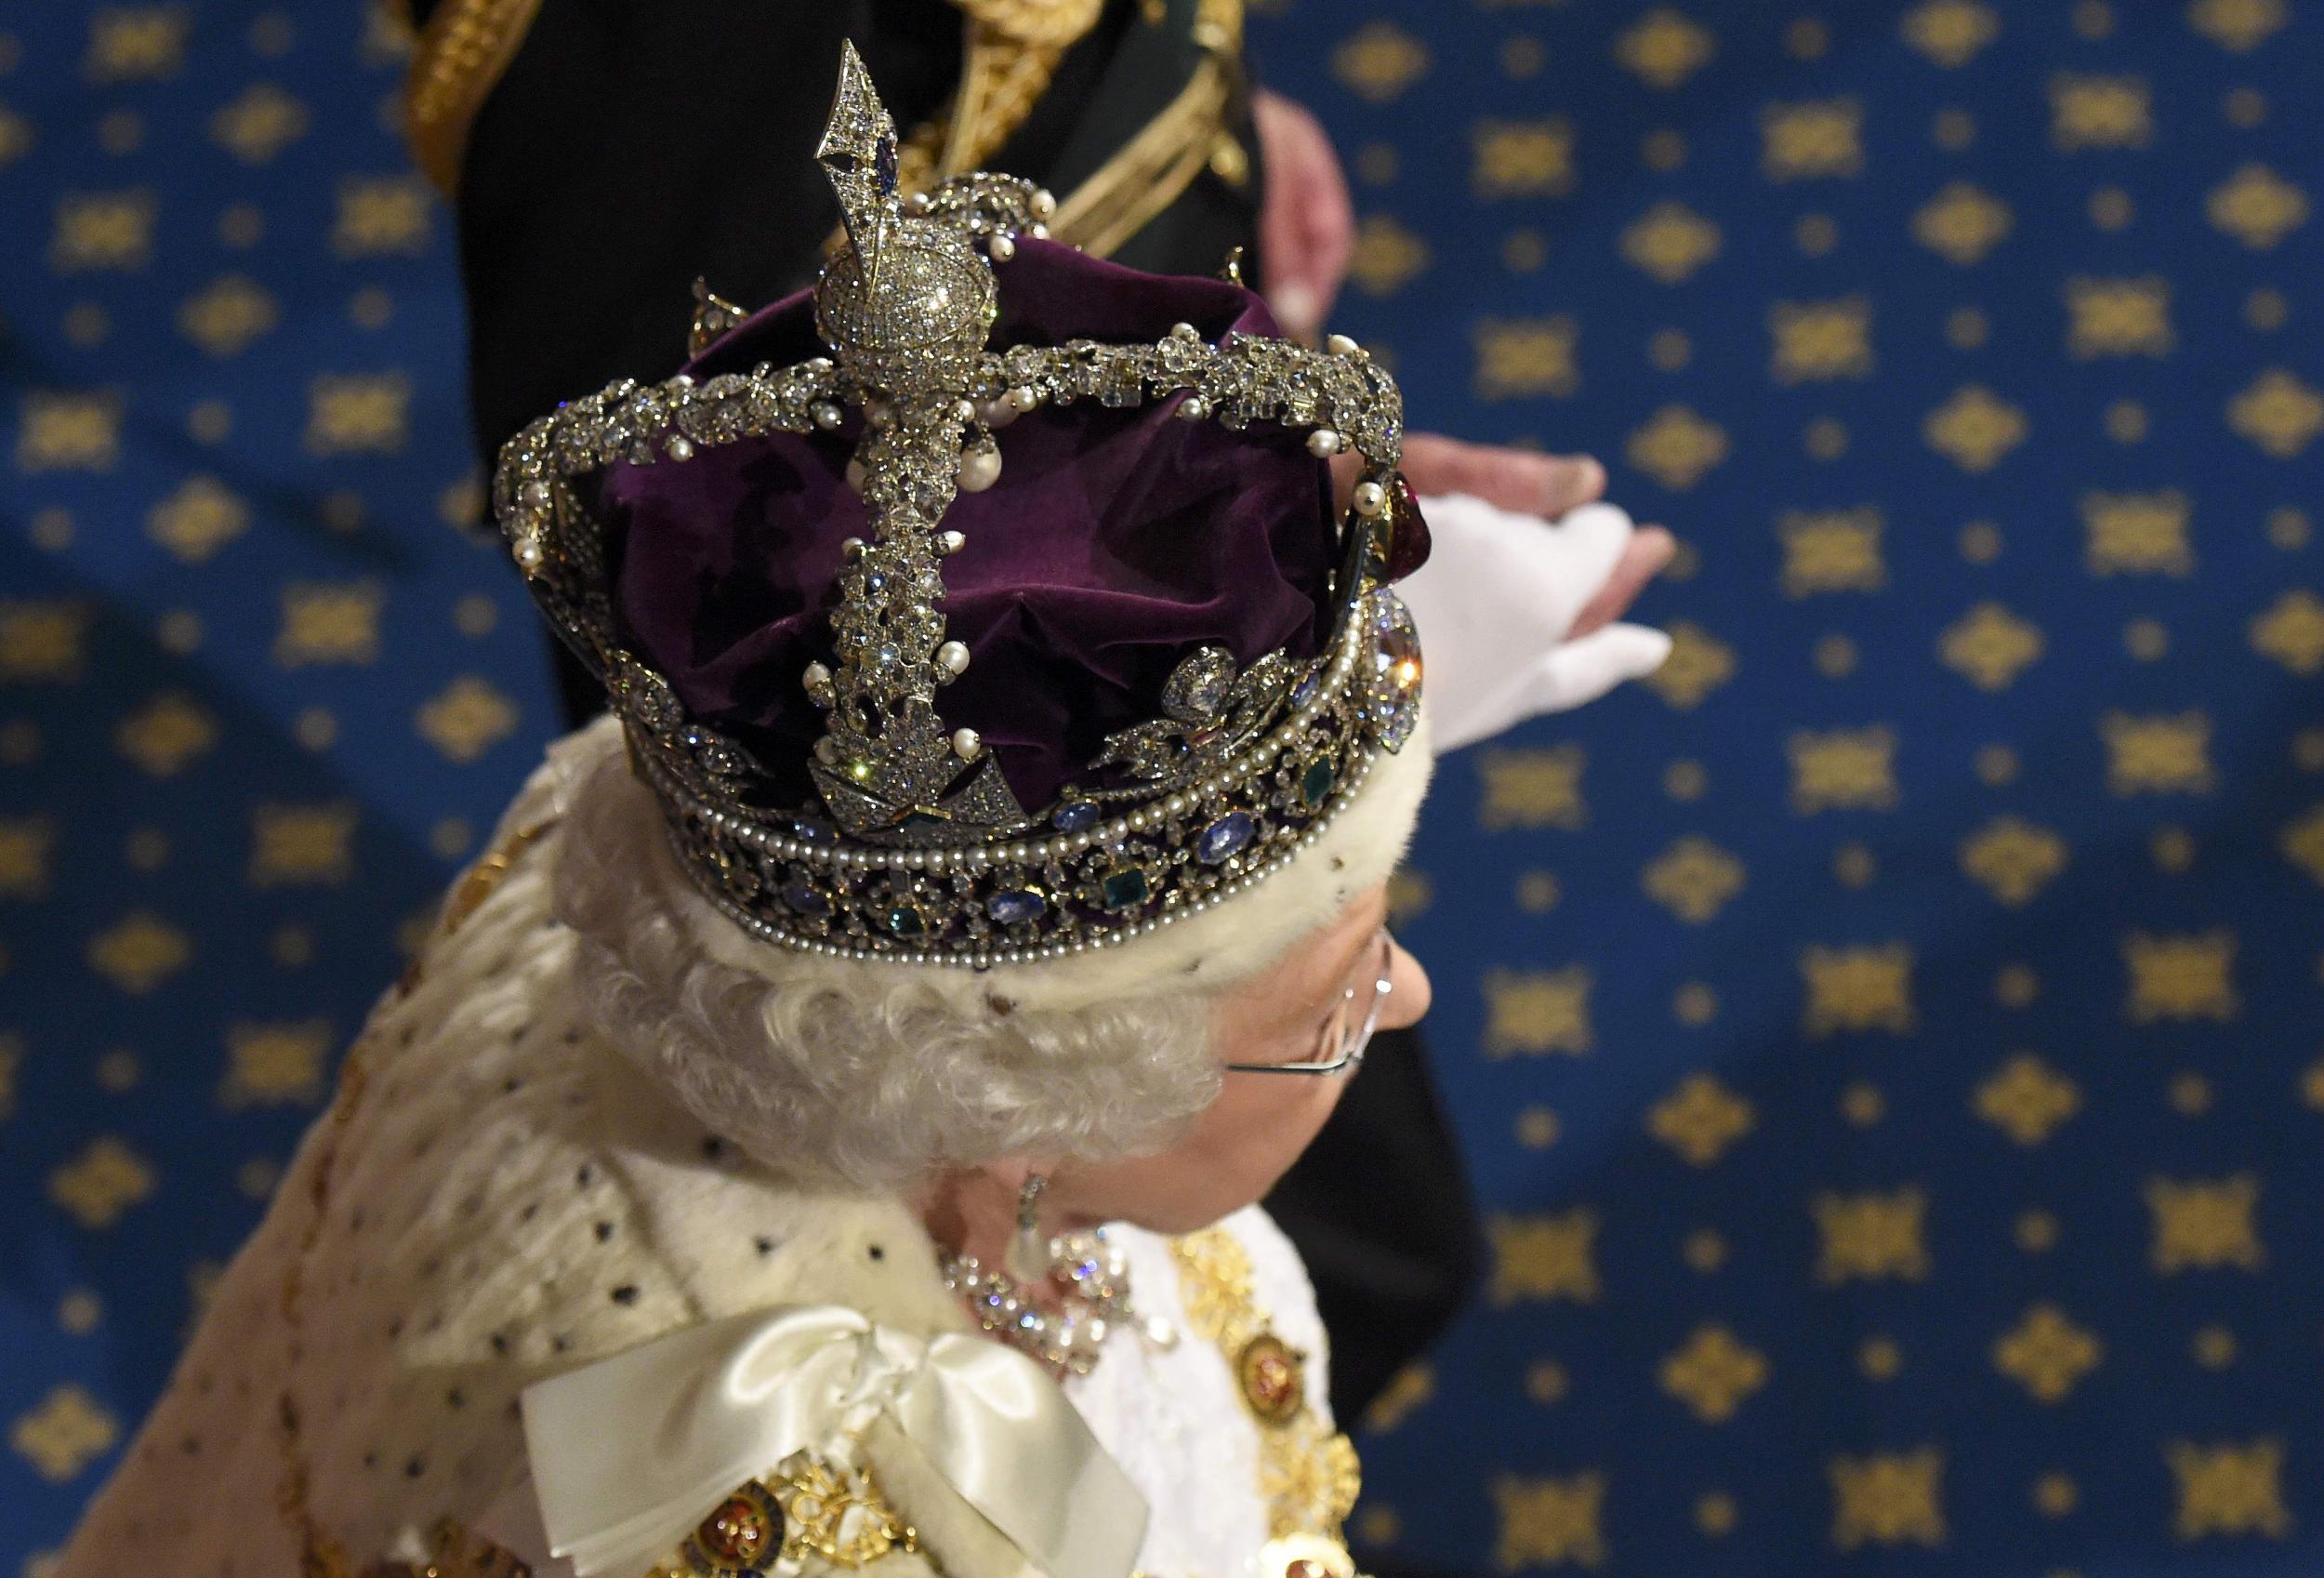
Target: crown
(914, 846)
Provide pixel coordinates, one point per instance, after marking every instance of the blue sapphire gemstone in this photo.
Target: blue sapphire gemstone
(803, 897)
(907, 920)
(1079, 817)
(811, 832)
(1016, 907)
(1305, 691)
(1224, 837)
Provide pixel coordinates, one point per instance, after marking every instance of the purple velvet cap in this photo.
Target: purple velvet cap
(1113, 544)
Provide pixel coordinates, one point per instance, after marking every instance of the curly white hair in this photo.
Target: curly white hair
(870, 1076)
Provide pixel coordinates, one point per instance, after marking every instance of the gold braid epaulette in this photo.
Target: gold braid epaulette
(1010, 50)
(461, 54)
(1009, 53)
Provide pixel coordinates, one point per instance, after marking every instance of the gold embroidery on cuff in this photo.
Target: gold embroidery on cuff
(461, 54)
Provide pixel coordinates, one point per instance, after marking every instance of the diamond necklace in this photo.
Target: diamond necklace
(1091, 1274)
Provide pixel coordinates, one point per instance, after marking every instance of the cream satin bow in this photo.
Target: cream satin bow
(628, 1454)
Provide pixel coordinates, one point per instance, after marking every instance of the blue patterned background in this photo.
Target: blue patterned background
(1891, 1043)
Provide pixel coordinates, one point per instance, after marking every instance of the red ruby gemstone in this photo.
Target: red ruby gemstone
(1408, 531)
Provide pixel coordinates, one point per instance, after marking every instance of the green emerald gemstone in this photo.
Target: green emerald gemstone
(1315, 783)
(1124, 887)
(907, 920)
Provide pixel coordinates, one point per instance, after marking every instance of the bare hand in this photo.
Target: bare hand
(1307, 222)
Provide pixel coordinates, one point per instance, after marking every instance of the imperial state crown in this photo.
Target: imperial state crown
(900, 700)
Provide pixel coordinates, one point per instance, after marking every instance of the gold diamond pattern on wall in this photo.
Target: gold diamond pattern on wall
(1990, 646)
(1550, 1522)
(2291, 630)
(1540, 1257)
(1832, 550)
(2027, 1099)
(1816, 341)
(1817, 138)
(2013, 859)
(1713, 1374)
(1844, 769)
(2228, 1488)
(2205, 1225)
(1888, 1499)
(1694, 878)
(1388, 255)
(1665, 48)
(2181, 977)
(1670, 242)
(1526, 356)
(2279, 411)
(1699, 663)
(2047, 1353)
(60, 1437)
(1951, 33)
(2159, 755)
(1870, 1237)
(1975, 428)
(1962, 223)
(1700, 1119)
(2257, 206)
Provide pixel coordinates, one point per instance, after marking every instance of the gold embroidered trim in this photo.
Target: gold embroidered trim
(1147, 174)
(807, 1507)
(1308, 1474)
(1057, 23)
(1010, 51)
(460, 55)
(1219, 26)
(1001, 79)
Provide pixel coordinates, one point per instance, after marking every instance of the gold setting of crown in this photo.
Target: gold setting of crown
(917, 848)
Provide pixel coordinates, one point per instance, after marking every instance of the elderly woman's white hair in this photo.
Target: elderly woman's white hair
(872, 1075)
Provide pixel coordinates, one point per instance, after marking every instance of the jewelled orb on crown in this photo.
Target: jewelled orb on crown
(901, 700)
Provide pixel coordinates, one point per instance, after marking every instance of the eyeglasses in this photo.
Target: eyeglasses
(1340, 1049)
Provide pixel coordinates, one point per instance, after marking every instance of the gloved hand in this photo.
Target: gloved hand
(1495, 603)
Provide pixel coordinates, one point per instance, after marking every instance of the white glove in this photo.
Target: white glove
(1493, 604)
